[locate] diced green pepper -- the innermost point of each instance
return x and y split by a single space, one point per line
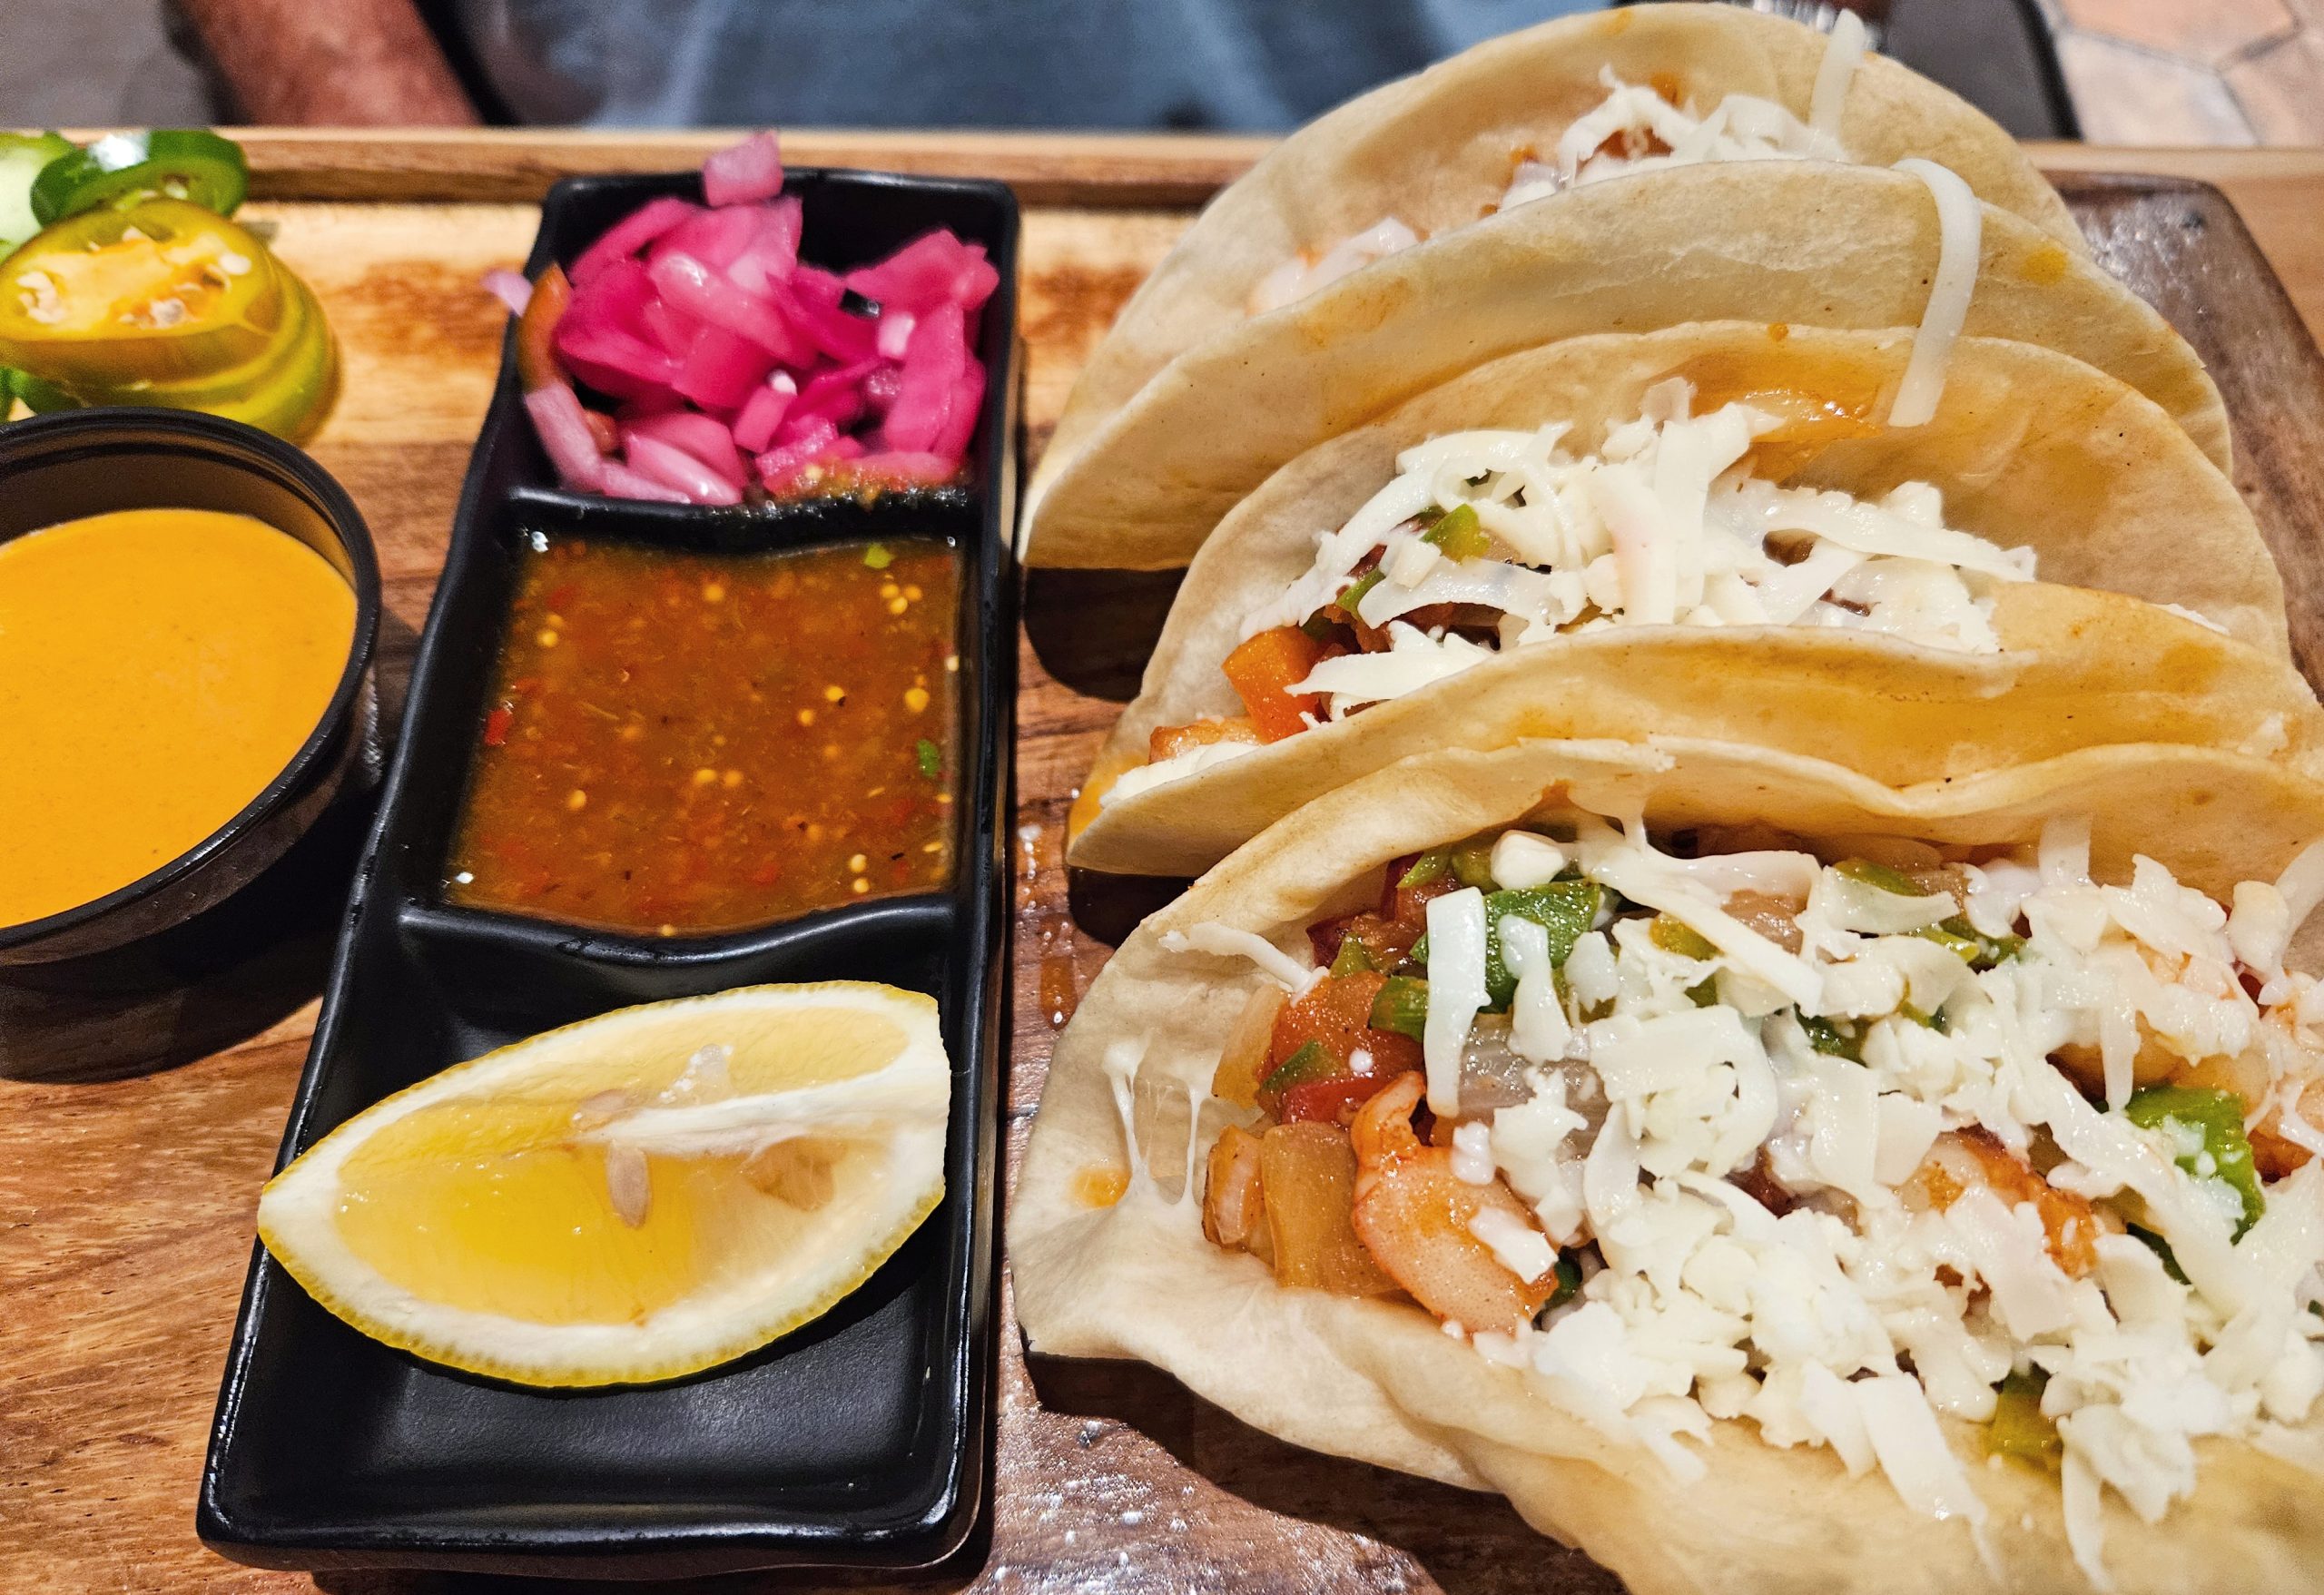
2019 1429
1565 909
2208 1126
1569 1281
1419 953
1427 869
189 163
1472 865
1971 946
1319 626
23 156
1351 959
931 756
1402 1006
1675 935
1927 1022
878 557
1704 994
1348 601
1460 534
1826 1037
1880 876
1311 1063
2160 1247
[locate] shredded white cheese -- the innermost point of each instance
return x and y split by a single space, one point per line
1456 991
1226 941
1961 223
1805 1321
1664 525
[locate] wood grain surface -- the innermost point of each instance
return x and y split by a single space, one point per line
125 1205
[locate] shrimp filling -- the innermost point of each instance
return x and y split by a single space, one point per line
1850 1145
1489 541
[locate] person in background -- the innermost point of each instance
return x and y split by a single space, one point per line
1256 64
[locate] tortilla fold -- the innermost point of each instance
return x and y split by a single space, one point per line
2029 447
1379 1380
1436 150
1791 243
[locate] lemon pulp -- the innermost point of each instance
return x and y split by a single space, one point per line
480 1218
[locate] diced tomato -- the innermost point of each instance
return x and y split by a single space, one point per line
1334 1101
1407 906
496 725
1384 941
1263 668
1337 1013
1168 741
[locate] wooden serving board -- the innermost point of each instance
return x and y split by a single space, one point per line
125 1205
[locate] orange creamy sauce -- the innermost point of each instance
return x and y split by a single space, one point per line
689 742
158 668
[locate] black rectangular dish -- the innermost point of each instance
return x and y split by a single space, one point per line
861 1439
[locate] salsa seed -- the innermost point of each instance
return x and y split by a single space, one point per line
711 592
898 605
836 694
577 800
952 663
888 589
931 847
857 862
731 779
546 639
916 698
815 833
912 592
861 886
704 776
806 717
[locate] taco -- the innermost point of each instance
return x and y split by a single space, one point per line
1707 531
1768 1179
1781 242
1575 100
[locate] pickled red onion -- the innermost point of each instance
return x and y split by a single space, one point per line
510 289
763 412
705 439
747 172
735 360
667 463
632 233
564 429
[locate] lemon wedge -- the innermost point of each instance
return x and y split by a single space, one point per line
635 1198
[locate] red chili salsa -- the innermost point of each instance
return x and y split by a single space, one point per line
684 743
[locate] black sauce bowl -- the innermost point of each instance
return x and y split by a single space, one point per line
75 463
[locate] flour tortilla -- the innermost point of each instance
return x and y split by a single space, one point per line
1435 151
1378 1381
1797 243
2029 447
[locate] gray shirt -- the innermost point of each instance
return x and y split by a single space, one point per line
1262 64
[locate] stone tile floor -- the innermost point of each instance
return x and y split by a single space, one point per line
2193 71
2141 71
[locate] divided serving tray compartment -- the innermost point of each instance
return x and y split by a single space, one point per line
861 1439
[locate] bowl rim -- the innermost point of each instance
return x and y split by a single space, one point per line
127 429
